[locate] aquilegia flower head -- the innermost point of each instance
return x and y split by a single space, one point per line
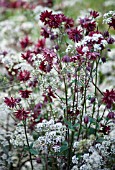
21 114
109 98
94 14
111 115
75 34
11 102
25 42
28 56
25 93
23 75
88 24
45 16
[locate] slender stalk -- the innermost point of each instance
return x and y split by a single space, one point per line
97 121
72 135
28 144
95 85
67 116
84 104
97 88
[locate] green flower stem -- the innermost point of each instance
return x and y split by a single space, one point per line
84 104
24 123
95 85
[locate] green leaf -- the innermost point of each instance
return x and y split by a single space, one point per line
91 131
70 126
33 152
92 120
64 147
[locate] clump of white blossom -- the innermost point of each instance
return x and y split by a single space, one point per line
54 133
18 138
107 17
98 155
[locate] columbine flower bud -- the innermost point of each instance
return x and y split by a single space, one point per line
66 59
103 59
86 119
38 160
92 99
111 115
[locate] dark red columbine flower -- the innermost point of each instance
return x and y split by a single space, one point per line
79 50
23 75
69 22
47 64
110 40
88 24
28 56
11 102
25 42
109 98
75 34
40 45
21 114
94 14
45 32
45 16
105 129
25 93
48 97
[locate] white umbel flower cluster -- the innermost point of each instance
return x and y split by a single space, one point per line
54 133
107 17
18 138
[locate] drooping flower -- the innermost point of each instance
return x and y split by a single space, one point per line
66 59
111 115
21 114
25 42
37 110
75 34
40 45
49 95
23 75
109 98
45 32
112 23
86 119
95 14
47 64
105 129
11 102
28 56
25 93
88 24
